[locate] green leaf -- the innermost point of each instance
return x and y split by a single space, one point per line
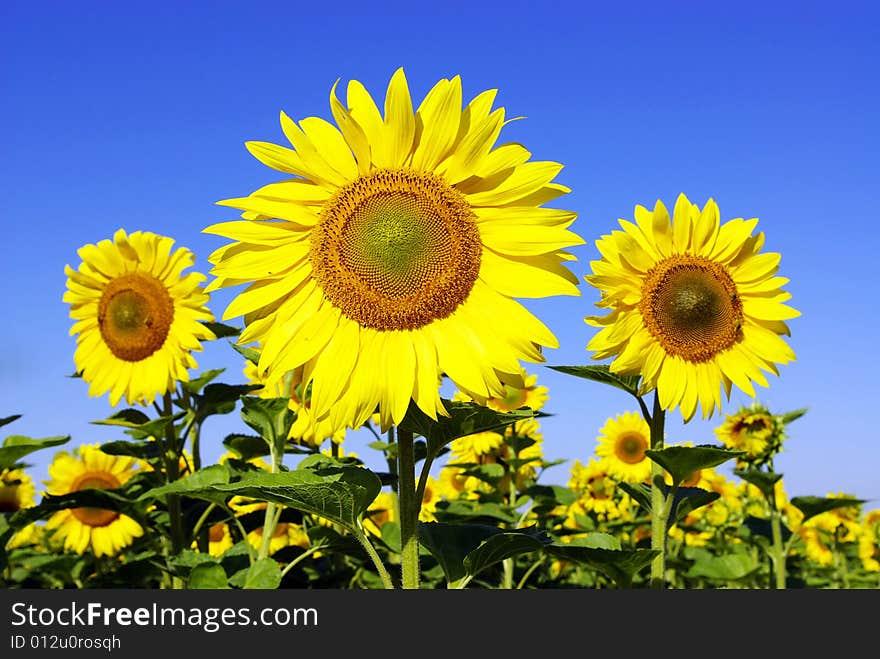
812 506
477 509
15 447
464 550
763 480
195 385
682 461
264 574
222 331
601 373
339 494
149 429
106 499
728 567
619 565
794 415
391 536
465 418
220 398
199 484
640 492
554 495
9 419
489 473
596 540
127 418
271 418
688 499
207 576
251 354
142 450
189 559
246 447
504 545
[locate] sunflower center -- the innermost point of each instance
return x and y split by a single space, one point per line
630 448
134 315
216 533
690 305
396 249
10 502
95 480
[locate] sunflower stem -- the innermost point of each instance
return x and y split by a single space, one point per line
659 508
172 471
777 556
270 520
409 510
377 560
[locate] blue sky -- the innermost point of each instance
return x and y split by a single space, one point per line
135 115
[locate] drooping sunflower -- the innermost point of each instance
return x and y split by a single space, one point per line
16 490
692 305
622 443
137 316
394 253
105 532
753 430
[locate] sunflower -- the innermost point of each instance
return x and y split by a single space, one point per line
394 253
138 318
623 441
692 305
520 391
219 539
383 509
16 490
105 532
753 430
596 491
430 499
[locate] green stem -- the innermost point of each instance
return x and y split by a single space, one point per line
777 556
172 472
507 564
308 552
377 560
273 512
529 572
659 507
409 510
392 462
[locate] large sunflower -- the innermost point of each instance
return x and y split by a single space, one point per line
106 532
692 303
137 316
394 253
622 443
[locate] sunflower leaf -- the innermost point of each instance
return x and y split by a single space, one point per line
115 500
794 415
811 506
246 447
207 576
195 385
619 565
726 567
263 575
688 499
683 461
464 550
251 354
602 373
142 450
638 491
15 447
270 417
128 418
763 480
9 419
465 418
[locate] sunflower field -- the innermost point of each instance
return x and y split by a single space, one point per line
377 290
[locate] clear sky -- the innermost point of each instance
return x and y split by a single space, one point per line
135 114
